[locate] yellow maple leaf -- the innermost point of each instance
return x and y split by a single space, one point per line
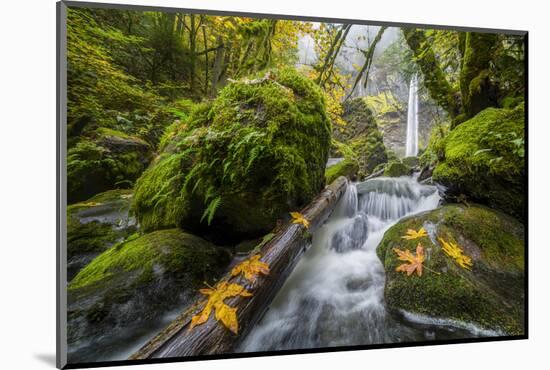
413 234
414 262
456 253
298 218
224 313
251 268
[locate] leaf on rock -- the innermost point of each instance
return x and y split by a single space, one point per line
413 234
298 218
251 268
414 262
226 314
456 253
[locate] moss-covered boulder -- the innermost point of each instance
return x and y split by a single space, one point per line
358 118
370 152
411 161
108 159
95 225
491 295
347 168
484 159
361 137
240 162
397 169
138 280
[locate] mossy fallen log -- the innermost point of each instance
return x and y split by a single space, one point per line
281 253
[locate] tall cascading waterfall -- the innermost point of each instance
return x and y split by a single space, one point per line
335 295
412 119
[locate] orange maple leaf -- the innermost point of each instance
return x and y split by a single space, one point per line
251 268
414 262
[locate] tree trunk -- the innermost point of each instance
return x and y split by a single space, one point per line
281 254
217 69
206 64
477 90
434 79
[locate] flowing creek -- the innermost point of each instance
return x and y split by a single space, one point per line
335 295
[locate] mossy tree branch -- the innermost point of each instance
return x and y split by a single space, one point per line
434 78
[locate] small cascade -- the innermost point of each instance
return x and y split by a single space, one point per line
394 198
412 119
335 295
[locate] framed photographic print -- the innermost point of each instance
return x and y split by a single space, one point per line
235 184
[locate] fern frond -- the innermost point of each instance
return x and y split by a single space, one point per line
210 211
254 153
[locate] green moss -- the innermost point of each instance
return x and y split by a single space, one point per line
89 237
484 158
435 150
106 162
475 83
510 102
260 147
173 250
410 161
397 169
370 152
347 168
490 295
359 120
109 132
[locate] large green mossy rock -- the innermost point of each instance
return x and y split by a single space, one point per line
108 159
95 225
138 280
491 295
484 159
240 162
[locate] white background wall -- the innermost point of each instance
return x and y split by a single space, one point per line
27 181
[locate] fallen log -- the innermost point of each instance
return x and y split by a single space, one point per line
281 253
378 173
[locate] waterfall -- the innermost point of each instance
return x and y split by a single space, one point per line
335 295
412 119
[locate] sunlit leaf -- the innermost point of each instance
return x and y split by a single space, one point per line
251 268
224 313
413 234
414 262
456 253
298 218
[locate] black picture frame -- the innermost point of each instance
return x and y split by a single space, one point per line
61 189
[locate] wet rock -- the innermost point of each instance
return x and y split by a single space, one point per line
138 280
351 236
95 225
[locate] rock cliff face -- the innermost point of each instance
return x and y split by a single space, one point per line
393 125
